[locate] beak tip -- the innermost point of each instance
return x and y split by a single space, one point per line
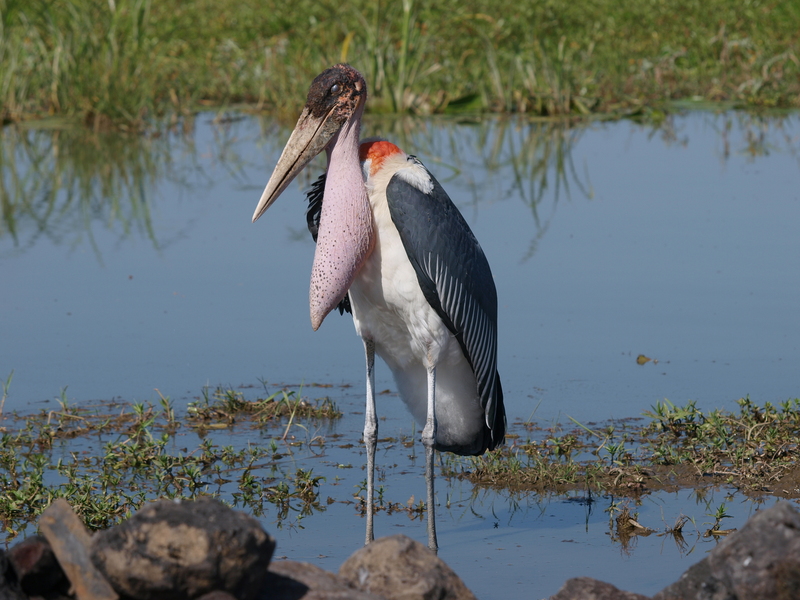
258 212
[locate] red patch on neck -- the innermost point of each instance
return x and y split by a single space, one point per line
376 153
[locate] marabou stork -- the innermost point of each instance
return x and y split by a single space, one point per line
393 247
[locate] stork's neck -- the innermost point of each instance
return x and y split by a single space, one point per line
343 149
346 234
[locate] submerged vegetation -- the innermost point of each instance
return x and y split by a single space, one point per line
107 460
127 62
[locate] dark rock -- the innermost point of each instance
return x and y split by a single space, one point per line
398 568
216 595
760 561
289 580
36 567
586 588
697 583
9 585
181 550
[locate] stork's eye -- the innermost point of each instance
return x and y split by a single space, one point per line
335 88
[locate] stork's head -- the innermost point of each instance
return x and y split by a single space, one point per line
333 99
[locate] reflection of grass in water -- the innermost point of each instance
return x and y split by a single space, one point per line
480 153
738 133
536 153
58 184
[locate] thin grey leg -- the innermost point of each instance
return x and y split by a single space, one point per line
370 436
428 440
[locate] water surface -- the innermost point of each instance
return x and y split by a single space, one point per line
130 264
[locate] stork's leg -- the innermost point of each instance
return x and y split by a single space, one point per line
428 440
370 434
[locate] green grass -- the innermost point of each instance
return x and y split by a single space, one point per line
754 450
223 405
128 63
108 460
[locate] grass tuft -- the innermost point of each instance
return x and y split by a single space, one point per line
755 451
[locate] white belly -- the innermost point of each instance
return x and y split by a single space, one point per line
390 309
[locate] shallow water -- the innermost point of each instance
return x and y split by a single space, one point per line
130 264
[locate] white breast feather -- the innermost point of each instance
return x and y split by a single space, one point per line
390 308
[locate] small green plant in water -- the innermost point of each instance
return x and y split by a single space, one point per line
143 453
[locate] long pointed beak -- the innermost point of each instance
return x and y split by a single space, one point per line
310 137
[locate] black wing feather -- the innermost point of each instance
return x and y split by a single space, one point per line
314 211
313 214
457 282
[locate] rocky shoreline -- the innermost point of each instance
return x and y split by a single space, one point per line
203 550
